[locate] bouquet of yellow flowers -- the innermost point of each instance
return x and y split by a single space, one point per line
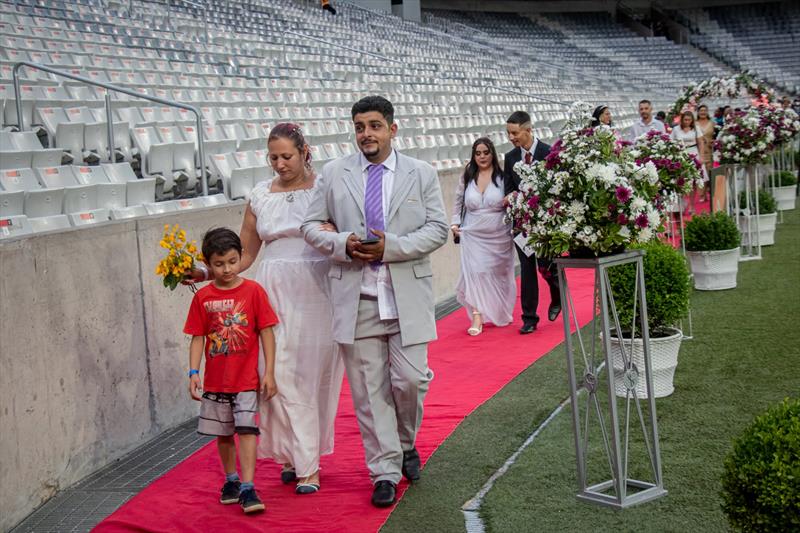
180 259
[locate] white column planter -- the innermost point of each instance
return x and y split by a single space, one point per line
766 229
785 197
664 357
715 270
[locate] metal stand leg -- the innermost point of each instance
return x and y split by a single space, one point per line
619 443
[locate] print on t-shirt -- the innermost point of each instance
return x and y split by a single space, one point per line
227 323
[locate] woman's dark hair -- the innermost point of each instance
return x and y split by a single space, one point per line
374 103
701 106
220 241
288 130
596 114
471 171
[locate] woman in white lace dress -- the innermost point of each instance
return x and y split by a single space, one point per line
486 287
693 140
297 423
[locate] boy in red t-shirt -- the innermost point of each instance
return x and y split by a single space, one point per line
228 317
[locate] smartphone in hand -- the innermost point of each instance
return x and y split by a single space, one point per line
371 240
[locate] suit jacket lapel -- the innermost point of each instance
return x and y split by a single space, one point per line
403 182
355 183
541 152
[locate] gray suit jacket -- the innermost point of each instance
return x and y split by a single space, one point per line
415 227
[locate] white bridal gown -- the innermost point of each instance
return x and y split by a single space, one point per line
487 282
297 423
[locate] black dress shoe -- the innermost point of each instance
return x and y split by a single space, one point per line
553 311
411 464
527 328
383 495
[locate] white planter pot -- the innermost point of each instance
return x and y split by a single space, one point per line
715 270
785 197
766 229
663 361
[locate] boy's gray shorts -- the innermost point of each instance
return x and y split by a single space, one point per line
222 414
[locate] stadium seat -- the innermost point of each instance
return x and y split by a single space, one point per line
12 203
14 226
49 223
134 211
86 218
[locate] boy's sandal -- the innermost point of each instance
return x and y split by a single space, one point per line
306 488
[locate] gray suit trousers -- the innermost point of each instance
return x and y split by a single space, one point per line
388 382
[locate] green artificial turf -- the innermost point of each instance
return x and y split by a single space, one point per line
745 357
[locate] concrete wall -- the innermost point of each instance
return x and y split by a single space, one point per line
91 349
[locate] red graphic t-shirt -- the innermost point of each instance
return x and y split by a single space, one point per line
230 319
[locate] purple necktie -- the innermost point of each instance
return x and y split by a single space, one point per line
373 202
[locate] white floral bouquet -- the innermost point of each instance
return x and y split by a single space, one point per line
579 116
745 139
679 171
588 197
785 123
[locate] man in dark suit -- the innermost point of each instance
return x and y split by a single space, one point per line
529 149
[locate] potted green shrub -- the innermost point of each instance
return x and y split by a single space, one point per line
760 483
666 279
712 246
762 226
784 189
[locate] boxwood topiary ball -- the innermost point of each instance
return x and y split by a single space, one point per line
761 481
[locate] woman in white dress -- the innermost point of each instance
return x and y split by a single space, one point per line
486 287
297 423
690 135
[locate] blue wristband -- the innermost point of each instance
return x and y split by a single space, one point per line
193 371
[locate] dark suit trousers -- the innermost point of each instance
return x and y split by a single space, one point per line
529 284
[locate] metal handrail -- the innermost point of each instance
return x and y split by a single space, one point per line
109 117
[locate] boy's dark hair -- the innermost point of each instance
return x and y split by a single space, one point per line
220 241
519 117
645 101
374 103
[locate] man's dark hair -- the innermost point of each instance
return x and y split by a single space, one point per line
374 103
645 102
220 241
518 117
661 115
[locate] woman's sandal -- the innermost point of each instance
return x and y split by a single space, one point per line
306 487
288 475
475 330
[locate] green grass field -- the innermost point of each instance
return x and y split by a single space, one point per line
745 357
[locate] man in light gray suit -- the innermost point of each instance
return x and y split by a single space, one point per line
388 213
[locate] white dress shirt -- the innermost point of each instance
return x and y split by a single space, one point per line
531 151
639 128
378 282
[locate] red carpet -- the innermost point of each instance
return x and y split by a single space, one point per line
469 371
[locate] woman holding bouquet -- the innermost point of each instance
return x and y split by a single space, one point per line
486 286
296 424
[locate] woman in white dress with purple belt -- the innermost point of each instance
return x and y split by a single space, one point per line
487 286
297 423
